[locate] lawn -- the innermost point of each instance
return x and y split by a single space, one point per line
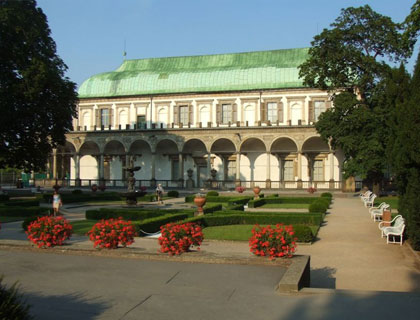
237 232
286 205
393 201
83 226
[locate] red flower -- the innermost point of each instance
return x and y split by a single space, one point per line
49 231
176 238
111 233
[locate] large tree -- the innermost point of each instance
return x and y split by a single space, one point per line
37 100
349 61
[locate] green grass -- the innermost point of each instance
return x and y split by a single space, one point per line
11 219
393 201
83 226
232 232
286 205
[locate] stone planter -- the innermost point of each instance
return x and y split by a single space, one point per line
200 202
257 191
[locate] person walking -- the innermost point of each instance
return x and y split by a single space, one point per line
159 193
57 203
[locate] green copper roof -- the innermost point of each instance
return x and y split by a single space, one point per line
222 72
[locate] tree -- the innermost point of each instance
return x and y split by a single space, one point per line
406 157
348 61
37 101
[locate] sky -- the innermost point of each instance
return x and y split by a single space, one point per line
91 34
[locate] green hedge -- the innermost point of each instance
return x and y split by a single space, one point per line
132 214
302 232
4 197
190 198
237 207
257 203
327 194
173 194
22 203
72 198
314 218
239 200
153 225
212 194
147 198
321 205
212 207
22 211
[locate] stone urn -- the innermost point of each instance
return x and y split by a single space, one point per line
200 201
257 191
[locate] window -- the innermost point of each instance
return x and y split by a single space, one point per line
123 119
318 173
319 106
183 114
227 113
288 171
272 114
105 117
141 121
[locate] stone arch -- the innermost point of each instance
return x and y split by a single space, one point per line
253 160
195 158
140 152
89 152
115 160
315 160
224 152
166 159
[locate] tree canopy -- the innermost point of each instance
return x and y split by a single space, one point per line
349 60
37 100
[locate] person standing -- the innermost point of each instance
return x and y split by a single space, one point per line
159 193
57 203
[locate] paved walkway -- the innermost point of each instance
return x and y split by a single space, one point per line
348 254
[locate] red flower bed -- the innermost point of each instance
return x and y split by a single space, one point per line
273 242
49 231
178 238
111 233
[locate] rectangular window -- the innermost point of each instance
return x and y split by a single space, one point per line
227 113
105 117
183 115
319 107
288 171
272 114
141 122
318 174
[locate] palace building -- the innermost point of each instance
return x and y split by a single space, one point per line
201 121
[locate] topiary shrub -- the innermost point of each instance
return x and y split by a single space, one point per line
190 198
212 194
326 195
173 194
12 305
318 206
77 191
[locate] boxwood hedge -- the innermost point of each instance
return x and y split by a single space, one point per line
132 214
23 211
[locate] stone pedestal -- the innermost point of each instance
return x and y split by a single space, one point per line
190 183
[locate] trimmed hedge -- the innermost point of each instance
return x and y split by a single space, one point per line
212 207
212 194
314 218
22 211
320 205
4 197
132 214
147 198
190 198
237 207
153 225
77 191
22 203
239 200
302 232
72 198
327 194
257 203
173 194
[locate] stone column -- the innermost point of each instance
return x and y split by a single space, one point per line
299 182
132 119
101 167
238 166
331 182
153 165
54 163
114 116
77 170
268 171
181 169
239 110
281 176
208 165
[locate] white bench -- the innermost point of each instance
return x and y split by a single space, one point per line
369 202
365 196
377 212
397 230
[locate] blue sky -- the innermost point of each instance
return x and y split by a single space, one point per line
90 34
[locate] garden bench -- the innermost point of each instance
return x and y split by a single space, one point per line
397 230
376 212
369 202
366 195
